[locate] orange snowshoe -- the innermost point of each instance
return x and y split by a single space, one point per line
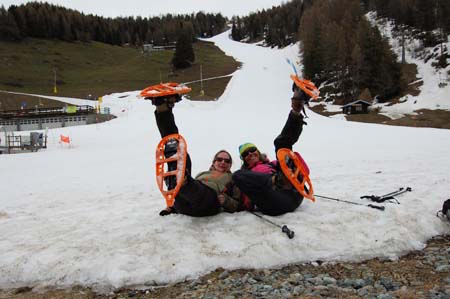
171 154
307 86
296 171
164 90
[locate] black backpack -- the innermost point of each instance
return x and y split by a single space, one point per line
445 212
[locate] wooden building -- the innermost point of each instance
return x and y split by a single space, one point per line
356 107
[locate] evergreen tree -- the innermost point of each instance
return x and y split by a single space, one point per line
43 20
184 54
236 30
19 18
8 26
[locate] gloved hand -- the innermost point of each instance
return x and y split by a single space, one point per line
166 103
172 100
167 211
297 105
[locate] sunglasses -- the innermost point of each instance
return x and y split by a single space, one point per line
228 161
251 150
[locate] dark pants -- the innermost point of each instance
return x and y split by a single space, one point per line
269 199
194 198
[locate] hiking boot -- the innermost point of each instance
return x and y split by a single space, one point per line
168 100
280 182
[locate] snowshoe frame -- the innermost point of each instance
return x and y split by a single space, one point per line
161 162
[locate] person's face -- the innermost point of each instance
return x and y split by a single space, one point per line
251 156
222 163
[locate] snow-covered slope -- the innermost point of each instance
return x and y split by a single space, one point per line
88 215
435 87
435 91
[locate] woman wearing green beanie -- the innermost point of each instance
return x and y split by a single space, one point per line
262 180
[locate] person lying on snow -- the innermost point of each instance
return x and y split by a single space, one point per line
205 195
261 180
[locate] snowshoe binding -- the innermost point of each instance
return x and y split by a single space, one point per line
296 171
159 93
171 155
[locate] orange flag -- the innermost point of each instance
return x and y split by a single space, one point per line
64 139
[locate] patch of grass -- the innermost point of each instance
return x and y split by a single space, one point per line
425 119
97 69
9 101
320 109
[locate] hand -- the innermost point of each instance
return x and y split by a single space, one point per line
297 105
221 199
166 211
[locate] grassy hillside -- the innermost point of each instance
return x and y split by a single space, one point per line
98 69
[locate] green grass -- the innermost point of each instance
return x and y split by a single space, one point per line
98 69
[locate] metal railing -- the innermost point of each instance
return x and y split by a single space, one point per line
45 112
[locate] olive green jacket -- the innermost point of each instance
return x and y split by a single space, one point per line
221 183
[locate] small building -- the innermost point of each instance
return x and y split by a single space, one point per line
152 48
356 107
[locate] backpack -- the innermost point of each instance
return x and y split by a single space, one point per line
445 212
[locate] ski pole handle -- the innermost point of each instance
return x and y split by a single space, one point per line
287 231
381 208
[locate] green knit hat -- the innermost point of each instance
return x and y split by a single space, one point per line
244 147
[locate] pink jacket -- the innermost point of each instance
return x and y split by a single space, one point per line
265 167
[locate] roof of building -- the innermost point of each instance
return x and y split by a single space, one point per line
357 102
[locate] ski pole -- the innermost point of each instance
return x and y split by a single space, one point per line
284 228
387 196
393 192
381 208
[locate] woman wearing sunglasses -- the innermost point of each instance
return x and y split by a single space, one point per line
261 180
210 192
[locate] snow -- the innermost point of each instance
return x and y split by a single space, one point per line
88 214
432 96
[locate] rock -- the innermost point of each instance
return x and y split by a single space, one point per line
196 282
22 290
295 278
298 290
224 274
443 268
349 267
354 283
286 285
329 280
363 292
387 283
315 281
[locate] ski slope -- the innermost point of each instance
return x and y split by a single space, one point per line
88 215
